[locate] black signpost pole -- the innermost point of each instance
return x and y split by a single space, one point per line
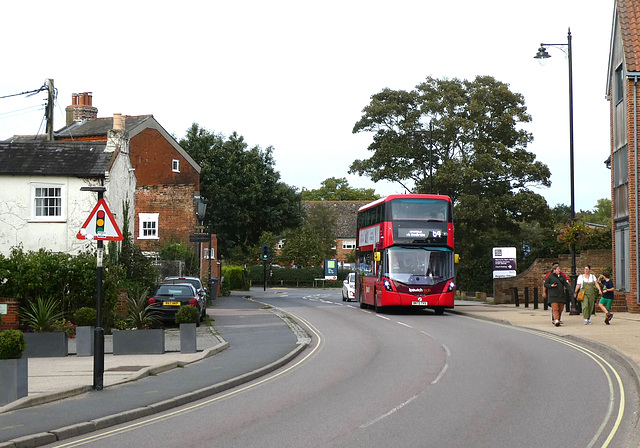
98 332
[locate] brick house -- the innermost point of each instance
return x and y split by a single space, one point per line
624 96
167 195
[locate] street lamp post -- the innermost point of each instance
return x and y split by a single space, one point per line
541 55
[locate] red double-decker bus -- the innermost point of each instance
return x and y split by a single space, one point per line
405 252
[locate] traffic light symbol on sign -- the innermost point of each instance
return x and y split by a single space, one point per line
100 221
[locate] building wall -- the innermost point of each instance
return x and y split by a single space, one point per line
152 155
17 228
177 218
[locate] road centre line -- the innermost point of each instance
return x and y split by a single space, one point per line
320 342
383 317
406 325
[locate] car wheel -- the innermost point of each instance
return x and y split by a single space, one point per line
344 299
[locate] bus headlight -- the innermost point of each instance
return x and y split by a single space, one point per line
387 285
451 287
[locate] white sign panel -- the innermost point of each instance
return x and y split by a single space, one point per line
504 262
3 308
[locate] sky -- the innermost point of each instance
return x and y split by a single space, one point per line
295 75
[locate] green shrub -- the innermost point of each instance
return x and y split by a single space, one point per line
233 276
187 314
120 324
85 317
12 344
41 315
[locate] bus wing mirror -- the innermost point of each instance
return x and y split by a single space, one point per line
376 256
456 258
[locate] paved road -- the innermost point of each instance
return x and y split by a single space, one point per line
408 379
256 337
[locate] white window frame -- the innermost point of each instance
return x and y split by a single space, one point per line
348 244
148 218
206 253
62 206
175 165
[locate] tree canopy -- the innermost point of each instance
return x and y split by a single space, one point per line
334 189
463 139
243 192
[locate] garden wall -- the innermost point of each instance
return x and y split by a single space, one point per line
533 277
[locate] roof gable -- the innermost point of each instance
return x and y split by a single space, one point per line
75 159
133 125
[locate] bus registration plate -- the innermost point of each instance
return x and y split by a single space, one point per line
420 303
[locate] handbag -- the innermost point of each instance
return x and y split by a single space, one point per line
580 297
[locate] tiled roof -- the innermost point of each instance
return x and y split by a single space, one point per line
629 17
77 159
98 126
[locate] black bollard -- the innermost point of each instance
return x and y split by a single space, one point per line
515 296
526 297
535 298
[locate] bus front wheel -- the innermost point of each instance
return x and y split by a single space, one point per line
439 310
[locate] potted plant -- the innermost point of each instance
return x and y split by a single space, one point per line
48 332
187 317
85 319
139 338
14 369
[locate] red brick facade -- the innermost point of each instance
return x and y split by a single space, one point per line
11 320
177 219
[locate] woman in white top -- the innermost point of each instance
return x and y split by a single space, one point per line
587 282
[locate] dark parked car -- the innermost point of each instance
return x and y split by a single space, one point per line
197 284
169 297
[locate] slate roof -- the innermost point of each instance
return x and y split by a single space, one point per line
629 17
72 159
99 127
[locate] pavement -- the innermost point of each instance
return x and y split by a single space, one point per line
247 340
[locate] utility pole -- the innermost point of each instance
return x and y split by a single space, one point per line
49 110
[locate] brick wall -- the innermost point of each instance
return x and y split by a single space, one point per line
533 277
11 320
177 217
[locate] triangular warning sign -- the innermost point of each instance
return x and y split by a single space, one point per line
100 225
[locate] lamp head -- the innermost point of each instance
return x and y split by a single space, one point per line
542 55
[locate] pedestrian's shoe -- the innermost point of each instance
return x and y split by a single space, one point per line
608 318
587 322
556 323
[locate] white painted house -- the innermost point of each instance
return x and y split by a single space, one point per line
41 204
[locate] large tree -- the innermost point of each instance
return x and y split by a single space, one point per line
243 191
463 139
334 189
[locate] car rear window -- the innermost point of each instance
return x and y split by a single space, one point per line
174 290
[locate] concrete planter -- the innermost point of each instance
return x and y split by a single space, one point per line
188 338
84 341
15 377
46 345
138 342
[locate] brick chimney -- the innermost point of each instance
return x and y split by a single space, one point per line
118 122
81 108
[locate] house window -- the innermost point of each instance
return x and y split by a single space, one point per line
623 272
148 226
348 244
47 202
206 253
619 84
620 183
281 244
175 165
